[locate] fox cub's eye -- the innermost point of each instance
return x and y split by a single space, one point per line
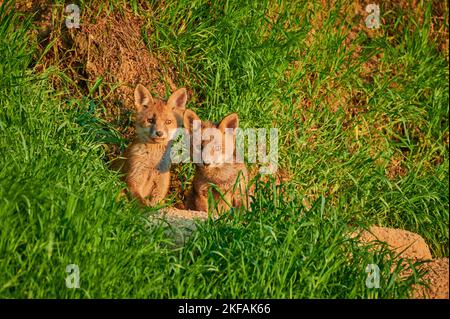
151 121
168 121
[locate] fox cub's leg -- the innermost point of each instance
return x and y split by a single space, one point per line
137 182
201 199
159 188
240 200
189 201
201 203
224 203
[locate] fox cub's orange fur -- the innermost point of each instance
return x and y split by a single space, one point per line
228 176
147 159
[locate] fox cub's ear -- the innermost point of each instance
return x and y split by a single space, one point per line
230 121
178 99
188 120
142 97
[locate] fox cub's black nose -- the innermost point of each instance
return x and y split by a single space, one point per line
159 133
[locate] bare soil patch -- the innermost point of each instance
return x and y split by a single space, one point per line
180 223
407 244
412 246
104 59
437 279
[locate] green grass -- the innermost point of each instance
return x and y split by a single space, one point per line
340 128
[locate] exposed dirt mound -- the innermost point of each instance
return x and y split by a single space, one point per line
181 223
437 279
105 58
111 47
413 247
407 244
173 213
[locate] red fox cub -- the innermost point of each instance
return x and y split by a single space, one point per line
215 164
147 159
